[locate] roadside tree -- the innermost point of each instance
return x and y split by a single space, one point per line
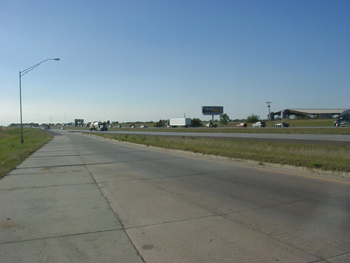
253 118
158 124
196 122
224 118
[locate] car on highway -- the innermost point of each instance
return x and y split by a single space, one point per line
242 125
281 124
143 126
259 124
211 125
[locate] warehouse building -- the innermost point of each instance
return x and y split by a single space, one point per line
306 113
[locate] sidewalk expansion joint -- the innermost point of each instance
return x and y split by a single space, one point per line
54 156
62 236
50 166
172 221
45 186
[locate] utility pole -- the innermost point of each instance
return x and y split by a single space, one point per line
269 106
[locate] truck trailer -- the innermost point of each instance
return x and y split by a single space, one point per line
180 122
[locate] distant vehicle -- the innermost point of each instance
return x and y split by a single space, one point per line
98 126
281 124
62 128
110 126
143 126
46 126
259 124
180 122
343 119
242 125
211 125
119 126
132 126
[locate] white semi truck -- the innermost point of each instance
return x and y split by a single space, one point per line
180 122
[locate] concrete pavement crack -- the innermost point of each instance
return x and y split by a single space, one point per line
109 205
223 215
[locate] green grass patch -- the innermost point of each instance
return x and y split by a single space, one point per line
13 152
316 130
326 157
291 130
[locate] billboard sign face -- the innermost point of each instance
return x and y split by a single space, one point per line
212 110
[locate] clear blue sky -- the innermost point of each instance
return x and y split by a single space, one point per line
149 60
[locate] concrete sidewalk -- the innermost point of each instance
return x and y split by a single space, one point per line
51 210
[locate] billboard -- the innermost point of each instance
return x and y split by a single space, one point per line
212 110
79 122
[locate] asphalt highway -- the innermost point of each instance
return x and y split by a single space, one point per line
83 198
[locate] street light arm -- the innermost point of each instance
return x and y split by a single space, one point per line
36 65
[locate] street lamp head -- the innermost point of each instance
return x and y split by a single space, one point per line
57 59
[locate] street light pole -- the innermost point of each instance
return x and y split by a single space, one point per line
20 105
21 73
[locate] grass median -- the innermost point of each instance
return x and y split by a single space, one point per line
333 158
13 152
299 130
